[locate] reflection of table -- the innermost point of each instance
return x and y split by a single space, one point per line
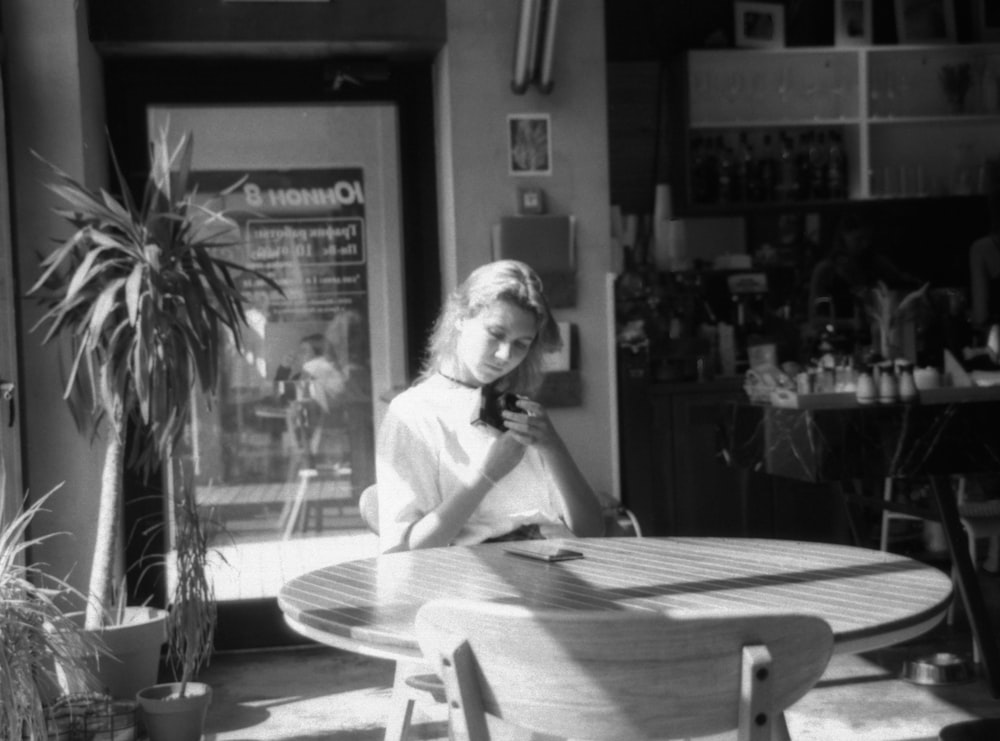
933 441
870 598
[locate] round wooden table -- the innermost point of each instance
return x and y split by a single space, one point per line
871 599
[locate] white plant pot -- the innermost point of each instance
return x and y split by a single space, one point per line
134 659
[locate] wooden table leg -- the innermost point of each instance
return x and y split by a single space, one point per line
851 511
968 580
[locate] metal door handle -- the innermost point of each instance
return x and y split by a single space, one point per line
7 393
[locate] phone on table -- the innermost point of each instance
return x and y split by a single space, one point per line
542 551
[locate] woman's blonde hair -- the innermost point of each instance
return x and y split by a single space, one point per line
503 280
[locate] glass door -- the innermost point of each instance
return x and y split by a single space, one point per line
283 452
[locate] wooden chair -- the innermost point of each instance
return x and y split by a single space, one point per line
414 681
368 508
623 675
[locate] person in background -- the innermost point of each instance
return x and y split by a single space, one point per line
347 335
840 282
984 260
312 385
444 476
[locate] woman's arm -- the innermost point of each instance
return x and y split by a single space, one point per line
442 525
581 508
412 512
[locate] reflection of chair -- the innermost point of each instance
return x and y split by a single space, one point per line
368 507
619 674
315 437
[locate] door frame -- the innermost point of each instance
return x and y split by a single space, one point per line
132 84
11 482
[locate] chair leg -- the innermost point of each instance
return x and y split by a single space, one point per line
779 729
883 540
397 726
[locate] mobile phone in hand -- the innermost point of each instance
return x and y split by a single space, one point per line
492 404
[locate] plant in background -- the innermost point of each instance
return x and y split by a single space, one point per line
192 620
147 305
887 311
36 636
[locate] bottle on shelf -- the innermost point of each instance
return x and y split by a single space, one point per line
767 170
787 179
836 167
803 168
818 166
725 191
746 171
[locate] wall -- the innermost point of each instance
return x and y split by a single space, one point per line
55 107
474 100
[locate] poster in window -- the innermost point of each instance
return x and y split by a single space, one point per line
297 396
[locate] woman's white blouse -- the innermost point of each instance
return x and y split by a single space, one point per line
429 444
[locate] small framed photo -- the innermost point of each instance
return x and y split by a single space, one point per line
925 21
759 25
529 144
987 17
530 201
853 22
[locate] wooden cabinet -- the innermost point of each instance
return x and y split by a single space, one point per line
887 108
676 483
673 478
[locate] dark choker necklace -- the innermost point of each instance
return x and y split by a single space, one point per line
455 380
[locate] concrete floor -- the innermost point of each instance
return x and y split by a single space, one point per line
315 692
319 693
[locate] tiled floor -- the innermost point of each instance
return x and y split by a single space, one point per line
315 692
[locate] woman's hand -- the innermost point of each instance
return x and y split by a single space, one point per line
532 425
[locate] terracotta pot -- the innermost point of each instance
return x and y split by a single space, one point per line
169 717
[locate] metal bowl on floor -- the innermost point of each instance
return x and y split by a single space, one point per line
938 669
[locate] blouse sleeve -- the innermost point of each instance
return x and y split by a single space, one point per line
408 486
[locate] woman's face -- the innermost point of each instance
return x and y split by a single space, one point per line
493 342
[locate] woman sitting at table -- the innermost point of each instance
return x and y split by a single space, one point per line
445 477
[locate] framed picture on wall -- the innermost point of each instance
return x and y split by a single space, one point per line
529 144
759 25
987 17
925 21
853 22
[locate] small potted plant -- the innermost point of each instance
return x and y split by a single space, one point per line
147 303
37 637
175 711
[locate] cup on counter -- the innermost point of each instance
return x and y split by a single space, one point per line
927 378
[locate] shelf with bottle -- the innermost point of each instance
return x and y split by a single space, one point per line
756 166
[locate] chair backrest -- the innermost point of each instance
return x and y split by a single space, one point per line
368 507
629 674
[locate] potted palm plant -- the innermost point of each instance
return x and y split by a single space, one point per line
175 711
36 636
147 302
